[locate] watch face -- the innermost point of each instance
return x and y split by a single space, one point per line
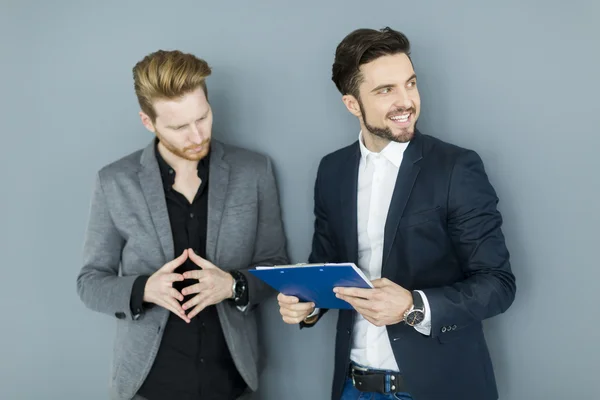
415 317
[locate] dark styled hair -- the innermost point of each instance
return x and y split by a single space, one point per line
361 47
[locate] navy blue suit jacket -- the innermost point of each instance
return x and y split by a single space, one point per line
443 236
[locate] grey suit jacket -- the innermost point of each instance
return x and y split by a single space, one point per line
129 234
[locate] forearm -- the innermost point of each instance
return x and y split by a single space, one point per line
106 293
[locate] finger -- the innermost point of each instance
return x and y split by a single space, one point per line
383 282
293 313
282 298
174 304
292 321
194 274
197 288
170 278
172 265
355 302
196 310
175 294
175 308
377 283
298 306
354 292
192 302
368 314
199 261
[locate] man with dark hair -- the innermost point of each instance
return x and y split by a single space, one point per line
419 217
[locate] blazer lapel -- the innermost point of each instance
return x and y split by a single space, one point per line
152 187
407 175
218 181
348 203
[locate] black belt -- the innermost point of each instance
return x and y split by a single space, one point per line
365 380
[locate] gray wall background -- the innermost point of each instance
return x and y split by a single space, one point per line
515 80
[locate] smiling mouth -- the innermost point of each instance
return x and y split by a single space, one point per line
402 119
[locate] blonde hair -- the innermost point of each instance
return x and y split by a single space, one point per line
167 75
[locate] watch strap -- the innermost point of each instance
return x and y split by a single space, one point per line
418 303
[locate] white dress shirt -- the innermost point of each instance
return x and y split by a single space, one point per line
376 181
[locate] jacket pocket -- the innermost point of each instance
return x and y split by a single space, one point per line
420 217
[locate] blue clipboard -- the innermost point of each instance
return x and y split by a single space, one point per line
314 282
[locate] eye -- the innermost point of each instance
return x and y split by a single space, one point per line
385 90
412 83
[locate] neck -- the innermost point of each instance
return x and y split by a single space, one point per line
372 142
181 166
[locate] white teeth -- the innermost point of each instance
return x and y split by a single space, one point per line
401 118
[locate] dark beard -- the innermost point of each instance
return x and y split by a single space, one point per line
405 135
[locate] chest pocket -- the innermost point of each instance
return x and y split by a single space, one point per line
421 217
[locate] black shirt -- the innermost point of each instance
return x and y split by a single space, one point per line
193 361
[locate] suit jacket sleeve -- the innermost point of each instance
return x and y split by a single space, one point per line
323 245
474 225
99 285
270 245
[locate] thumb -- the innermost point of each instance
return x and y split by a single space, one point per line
172 265
199 261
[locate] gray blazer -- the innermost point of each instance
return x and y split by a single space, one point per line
129 234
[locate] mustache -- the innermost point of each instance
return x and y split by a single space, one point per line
203 143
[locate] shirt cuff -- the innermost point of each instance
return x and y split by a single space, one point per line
424 327
136 302
315 312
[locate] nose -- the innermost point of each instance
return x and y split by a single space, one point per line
195 135
403 99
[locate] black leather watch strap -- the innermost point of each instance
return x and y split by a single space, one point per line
417 301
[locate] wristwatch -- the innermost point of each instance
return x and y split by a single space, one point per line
415 314
239 287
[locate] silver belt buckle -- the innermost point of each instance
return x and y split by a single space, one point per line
356 367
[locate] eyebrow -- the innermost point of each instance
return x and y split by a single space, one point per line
181 126
387 85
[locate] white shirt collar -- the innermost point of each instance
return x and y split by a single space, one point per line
394 151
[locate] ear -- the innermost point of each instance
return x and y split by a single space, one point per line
352 105
147 122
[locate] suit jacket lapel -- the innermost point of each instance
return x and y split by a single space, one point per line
218 182
407 175
152 187
348 203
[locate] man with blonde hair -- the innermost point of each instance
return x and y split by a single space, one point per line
173 229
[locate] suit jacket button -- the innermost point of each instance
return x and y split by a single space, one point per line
120 315
453 327
444 329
